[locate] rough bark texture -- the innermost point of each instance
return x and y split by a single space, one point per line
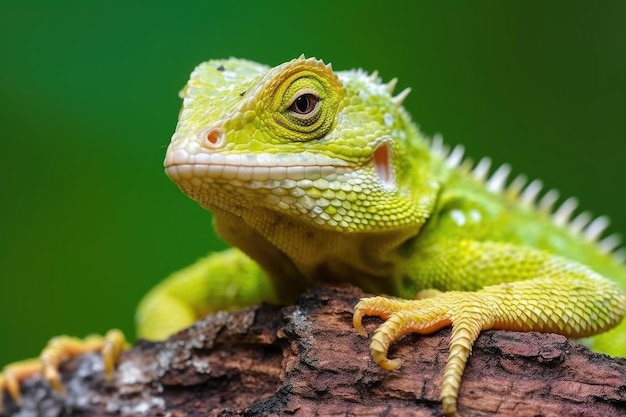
307 360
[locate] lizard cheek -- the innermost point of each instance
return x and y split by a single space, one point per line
383 167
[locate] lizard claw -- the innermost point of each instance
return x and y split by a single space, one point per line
114 344
425 316
357 321
382 307
59 350
13 374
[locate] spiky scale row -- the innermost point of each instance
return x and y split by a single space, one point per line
583 225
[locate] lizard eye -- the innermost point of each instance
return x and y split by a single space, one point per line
305 107
303 100
304 104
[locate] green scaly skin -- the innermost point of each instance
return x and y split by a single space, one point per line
320 176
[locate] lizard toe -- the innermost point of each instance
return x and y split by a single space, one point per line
59 350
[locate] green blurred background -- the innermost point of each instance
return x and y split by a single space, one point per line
88 220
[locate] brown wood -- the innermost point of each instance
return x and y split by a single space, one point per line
307 360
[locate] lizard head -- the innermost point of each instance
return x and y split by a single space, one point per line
333 150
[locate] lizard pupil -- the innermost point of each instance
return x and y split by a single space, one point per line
304 104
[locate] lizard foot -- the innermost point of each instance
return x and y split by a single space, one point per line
59 350
466 312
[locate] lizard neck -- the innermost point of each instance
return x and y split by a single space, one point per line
297 255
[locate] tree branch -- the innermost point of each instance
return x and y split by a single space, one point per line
307 360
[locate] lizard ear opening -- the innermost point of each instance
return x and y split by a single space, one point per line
383 167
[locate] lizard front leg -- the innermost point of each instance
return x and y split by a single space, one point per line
57 351
227 280
551 294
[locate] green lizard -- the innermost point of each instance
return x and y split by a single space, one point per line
320 176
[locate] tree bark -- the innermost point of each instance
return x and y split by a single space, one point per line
306 360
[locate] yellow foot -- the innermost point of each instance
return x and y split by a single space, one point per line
465 311
59 350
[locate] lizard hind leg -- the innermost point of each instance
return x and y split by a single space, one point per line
59 350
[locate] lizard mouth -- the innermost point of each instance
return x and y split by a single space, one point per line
181 165
184 166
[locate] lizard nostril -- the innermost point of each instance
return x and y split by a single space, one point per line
214 137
